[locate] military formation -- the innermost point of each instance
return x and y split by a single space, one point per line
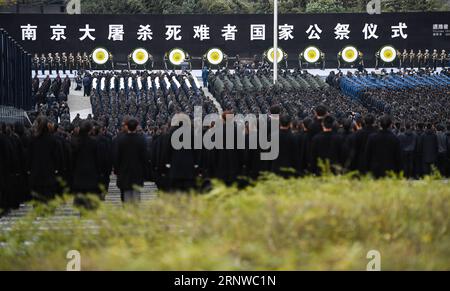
408 96
152 98
64 62
297 92
423 59
50 97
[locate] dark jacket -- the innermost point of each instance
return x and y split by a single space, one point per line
288 153
315 128
131 161
227 162
357 154
105 156
86 168
408 141
383 153
87 81
325 146
45 164
182 162
303 149
429 147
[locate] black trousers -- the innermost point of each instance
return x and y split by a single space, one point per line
441 163
408 164
87 91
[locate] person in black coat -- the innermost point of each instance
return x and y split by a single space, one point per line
357 155
325 146
288 149
304 148
85 157
45 160
302 144
228 162
418 155
131 162
383 151
447 160
66 171
6 164
16 170
429 144
183 165
105 156
442 149
320 113
408 143
346 137
87 85
24 137
159 158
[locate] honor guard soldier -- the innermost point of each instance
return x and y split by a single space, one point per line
71 62
426 59
378 60
448 60
57 62
443 58
111 60
50 63
129 60
65 62
36 63
86 62
412 57
404 58
399 54
435 57
419 59
79 62
43 63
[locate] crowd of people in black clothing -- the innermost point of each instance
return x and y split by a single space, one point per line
130 135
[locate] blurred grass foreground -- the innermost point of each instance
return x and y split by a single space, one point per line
327 223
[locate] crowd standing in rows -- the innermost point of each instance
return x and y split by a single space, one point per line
129 134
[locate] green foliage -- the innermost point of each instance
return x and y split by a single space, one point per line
7 2
252 6
112 6
298 224
323 6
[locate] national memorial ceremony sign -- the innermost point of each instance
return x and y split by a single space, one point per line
245 35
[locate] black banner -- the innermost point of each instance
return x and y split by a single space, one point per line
15 67
246 35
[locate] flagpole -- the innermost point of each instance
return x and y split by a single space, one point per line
275 41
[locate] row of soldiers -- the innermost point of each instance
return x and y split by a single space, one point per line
297 92
61 62
407 96
50 97
50 90
424 59
152 98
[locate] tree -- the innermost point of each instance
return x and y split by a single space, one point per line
323 6
7 2
113 6
247 6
